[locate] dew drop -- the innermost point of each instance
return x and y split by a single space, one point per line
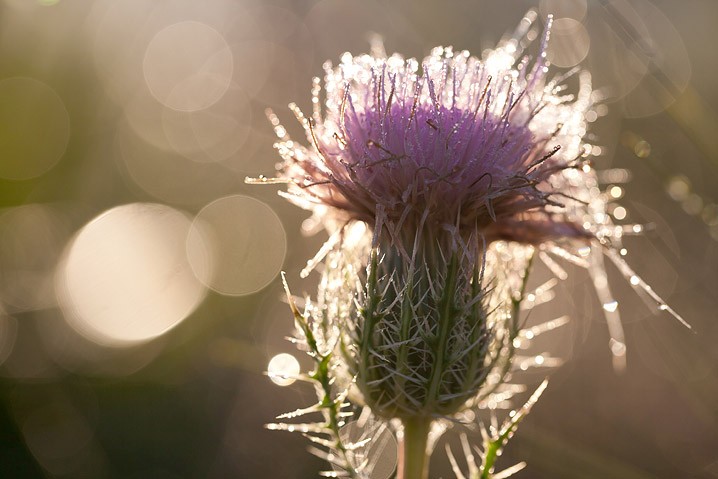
678 188
619 213
635 280
642 149
282 369
616 192
617 347
611 306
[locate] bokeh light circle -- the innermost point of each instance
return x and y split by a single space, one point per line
570 43
380 453
34 128
188 66
213 134
661 47
167 175
125 278
283 369
246 245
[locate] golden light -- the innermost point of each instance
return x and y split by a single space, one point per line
380 454
188 66
678 188
620 213
616 192
118 36
125 278
245 245
570 43
167 175
656 67
212 134
283 369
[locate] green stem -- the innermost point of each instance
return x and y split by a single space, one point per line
492 451
413 454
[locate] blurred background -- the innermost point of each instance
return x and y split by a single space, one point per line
139 297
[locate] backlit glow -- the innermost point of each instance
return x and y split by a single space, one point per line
125 278
283 369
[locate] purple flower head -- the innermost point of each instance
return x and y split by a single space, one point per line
481 145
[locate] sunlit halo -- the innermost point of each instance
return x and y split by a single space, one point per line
125 278
246 245
118 44
212 134
283 369
620 213
570 43
649 81
167 175
188 66
380 454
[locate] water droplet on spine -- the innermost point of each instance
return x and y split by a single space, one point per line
611 306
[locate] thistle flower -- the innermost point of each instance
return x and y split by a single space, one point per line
439 183
477 145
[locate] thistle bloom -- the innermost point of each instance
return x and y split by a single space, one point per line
432 177
440 161
461 141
